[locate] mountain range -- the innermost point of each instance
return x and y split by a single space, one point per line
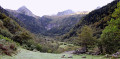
58 24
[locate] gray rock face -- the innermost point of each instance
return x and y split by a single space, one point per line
25 11
66 12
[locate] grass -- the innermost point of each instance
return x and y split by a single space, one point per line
26 54
67 47
63 44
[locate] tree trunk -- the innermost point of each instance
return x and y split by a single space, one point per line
85 47
100 48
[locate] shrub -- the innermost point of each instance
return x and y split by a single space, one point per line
49 51
13 47
7 46
38 47
5 33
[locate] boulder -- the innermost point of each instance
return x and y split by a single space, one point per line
80 51
70 56
83 56
63 56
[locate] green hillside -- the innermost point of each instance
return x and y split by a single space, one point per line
97 19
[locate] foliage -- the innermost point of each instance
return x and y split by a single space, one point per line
49 47
5 33
22 37
111 34
86 37
116 13
7 46
5 38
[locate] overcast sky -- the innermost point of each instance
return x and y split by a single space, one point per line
49 7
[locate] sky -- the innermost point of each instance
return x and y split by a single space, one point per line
50 7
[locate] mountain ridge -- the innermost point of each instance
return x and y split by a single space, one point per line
66 12
47 24
97 18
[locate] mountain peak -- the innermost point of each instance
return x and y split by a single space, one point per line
23 7
25 10
66 12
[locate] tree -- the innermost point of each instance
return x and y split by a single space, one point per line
116 13
110 36
86 37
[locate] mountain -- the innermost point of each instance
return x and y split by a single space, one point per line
97 19
80 12
12 33
66 12
24 10
62 24
31 23
11 29
46 25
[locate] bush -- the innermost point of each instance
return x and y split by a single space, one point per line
5 33
7 46
22 38
49 51
5 38
13 46
38 47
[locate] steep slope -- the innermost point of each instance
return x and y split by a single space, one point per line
97 19
9 28
33 24
24 10
62 24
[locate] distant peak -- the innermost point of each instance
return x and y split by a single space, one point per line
25 10
66 12
23 7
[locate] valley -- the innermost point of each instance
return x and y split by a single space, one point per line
52 25
68 34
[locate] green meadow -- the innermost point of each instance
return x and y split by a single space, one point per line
26 54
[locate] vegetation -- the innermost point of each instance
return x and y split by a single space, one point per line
106 25
111 34
97 18
47 25
25 54
11 29
7 46
86 37
99 31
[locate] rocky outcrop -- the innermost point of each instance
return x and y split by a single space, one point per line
24 10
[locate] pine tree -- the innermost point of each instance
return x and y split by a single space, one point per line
86 37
